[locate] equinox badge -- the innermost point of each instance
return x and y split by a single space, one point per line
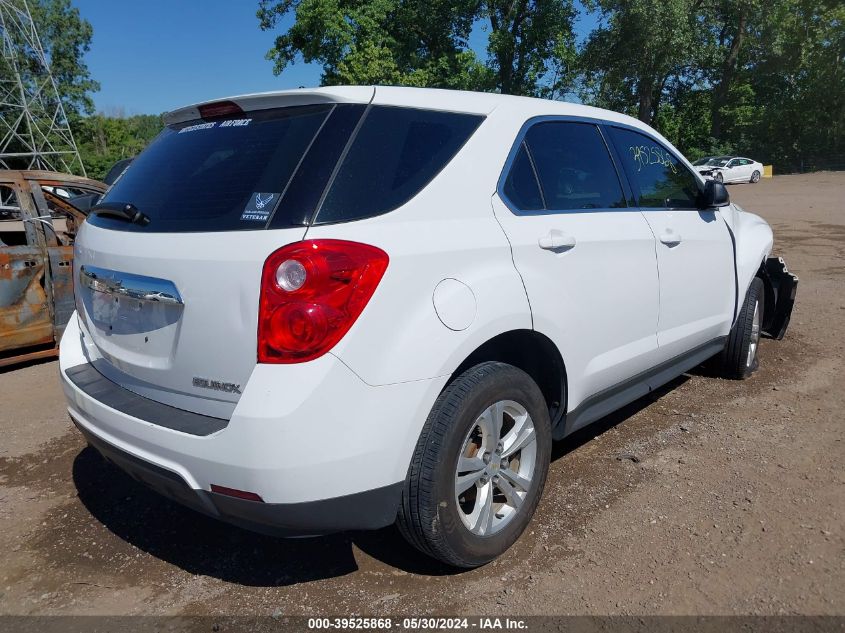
216 385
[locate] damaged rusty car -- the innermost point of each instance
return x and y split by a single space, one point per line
38 224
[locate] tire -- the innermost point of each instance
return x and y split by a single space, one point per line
739 358
451 526
755 177
718 177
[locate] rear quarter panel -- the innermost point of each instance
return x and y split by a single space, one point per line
448 231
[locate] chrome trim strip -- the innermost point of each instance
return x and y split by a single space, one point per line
138 287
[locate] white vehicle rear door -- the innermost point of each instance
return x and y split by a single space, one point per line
585 255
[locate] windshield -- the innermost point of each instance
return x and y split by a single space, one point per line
703 161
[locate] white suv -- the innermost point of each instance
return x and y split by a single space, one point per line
320 310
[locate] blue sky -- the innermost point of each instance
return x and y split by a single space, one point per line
155 55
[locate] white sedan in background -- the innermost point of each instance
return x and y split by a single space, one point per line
730 169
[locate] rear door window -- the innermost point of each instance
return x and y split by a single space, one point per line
574 166
659 179
396 152
217 175
521 187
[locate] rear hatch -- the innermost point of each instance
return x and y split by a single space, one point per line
170 298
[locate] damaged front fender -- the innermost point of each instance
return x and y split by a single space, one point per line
781 287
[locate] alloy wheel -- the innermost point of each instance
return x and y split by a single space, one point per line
495 468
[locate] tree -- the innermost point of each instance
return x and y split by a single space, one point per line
642 48
410 42
426 43
50 114
798 81
104 140
66 37
731 20
530 40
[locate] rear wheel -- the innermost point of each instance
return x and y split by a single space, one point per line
479 467
755 177
739 358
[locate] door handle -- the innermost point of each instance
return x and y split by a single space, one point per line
556 240
670 238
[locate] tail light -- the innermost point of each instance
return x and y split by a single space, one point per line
311 294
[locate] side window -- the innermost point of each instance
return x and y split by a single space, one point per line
396 153
574 166
659 179
521 186
9 206
12 230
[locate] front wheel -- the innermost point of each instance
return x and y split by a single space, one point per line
479 467
739 358
718 177
755 177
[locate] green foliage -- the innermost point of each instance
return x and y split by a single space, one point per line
766 79
798 81
531 45
66 37
641 48
104 140
408 42
425 42
762 78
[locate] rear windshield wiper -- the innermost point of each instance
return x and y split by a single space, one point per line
121 210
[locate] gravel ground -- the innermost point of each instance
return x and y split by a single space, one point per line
709 497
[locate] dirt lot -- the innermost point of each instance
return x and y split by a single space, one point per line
735 505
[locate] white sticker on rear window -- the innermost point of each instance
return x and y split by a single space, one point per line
236 123
259 207
198 126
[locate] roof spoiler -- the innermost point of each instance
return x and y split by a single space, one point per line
282 98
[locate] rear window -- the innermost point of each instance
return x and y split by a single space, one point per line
574 166
396 153
218 175
277 168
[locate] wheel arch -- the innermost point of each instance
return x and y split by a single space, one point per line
532 352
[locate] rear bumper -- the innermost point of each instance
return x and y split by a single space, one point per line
368 510
325 451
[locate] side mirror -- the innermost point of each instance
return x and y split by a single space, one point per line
715 194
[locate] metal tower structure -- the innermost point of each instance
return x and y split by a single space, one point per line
34 129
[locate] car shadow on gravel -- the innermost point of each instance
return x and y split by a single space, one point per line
572 442
202 545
